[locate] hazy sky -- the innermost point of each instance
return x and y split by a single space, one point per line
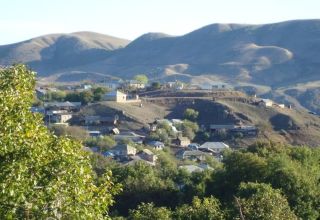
24 19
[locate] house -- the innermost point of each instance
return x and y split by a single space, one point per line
219 127
162 121
86 86
70 106
99 120
131 136
157 145
215 86
60 117
137 159
153 126
174 85
177 121
124 150
148 155
112 84
115 96
193 146
94 133
214 147
246 130
265 102
134 84
41 93
196 168
191 155
114 131
191 168
182 141
279 105
220 86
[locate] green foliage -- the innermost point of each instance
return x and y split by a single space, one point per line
238 167
141 78
58 96
103 142
260 201
293 170
205 209
98 93
189 129
143 183
160 134
191 114
84 97
74 132
155 85
42 176
147 211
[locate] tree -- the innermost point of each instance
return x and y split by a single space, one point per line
103 142
75 132
98 93
155 85
58 96
259 201
147 211
42 176
190 114
206 209
86 97
141 78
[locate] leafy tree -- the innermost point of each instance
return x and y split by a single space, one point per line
259 201
147 211
42 176
141 78
86 97
206 209
299 182
189 129
155 85
74 132
103 142
98 93
190 114
238 167
58 96
143 183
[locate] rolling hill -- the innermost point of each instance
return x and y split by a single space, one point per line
271 59
272 54
51 53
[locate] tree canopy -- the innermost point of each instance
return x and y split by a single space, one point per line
41 175
142 78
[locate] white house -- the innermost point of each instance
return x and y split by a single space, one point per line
266 102
135 84
116 96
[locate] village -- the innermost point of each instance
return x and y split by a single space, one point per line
189 142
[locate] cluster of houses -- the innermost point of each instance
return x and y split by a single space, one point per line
128 154
58 112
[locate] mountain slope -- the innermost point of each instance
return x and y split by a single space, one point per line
50 53
266 54
275 55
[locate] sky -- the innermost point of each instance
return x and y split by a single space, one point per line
25 19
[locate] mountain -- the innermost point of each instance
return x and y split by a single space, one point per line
51 53
272 55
